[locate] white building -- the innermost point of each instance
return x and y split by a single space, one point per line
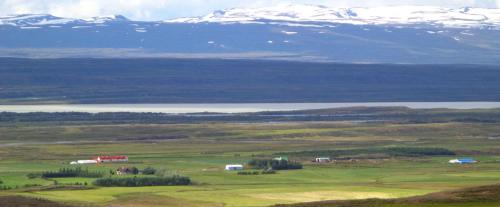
234 167
323 159
82 162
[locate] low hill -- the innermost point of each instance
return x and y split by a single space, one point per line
484 196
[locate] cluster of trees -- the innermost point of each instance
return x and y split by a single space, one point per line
136 171
269 164
142 181
419 151
70 172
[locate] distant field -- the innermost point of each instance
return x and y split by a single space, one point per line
201 150
238 81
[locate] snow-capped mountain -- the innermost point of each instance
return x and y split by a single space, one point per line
306 15
33 20
396 15
36 20
296 32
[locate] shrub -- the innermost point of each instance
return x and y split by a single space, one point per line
142 181
248 173
268 172
135 170
32 185
274 164
149 171
33 175
5 187
164 173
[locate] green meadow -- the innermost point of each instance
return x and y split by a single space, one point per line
201 151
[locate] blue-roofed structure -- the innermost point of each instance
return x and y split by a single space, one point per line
463 161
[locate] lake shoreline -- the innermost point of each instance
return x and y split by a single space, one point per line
232 107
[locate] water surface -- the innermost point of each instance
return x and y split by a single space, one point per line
233 107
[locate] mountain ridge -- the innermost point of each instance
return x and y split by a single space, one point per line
428 35
389 15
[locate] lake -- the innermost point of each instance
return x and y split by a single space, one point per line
233 107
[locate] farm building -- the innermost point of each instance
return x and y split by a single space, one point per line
281 158
322 159
111 159
82 162
463 161
234 167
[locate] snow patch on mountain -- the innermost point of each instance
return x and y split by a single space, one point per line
27 20
289 32
105 19
394 15
32 20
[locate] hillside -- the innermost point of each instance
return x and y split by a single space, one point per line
484 196
293 32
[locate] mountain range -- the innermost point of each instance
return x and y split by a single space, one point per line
403 34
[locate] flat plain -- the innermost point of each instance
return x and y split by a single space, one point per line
200 150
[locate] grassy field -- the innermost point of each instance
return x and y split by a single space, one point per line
201 151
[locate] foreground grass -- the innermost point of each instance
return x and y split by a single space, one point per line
483 196
18 201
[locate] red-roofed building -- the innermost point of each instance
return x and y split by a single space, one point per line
111 159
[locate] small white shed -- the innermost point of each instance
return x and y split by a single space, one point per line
234 167
323 159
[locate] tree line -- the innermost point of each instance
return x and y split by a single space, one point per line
142 181
68 173
274 164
